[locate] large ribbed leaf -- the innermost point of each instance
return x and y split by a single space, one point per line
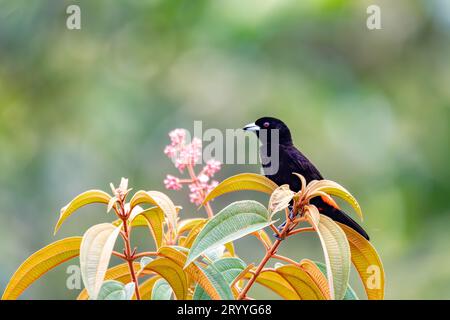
229 269
317 276
39 263
88 197
349 294
195 272
337 255
95 252
243 181
219 283
172 273
274 281
233 222
301 281
367 262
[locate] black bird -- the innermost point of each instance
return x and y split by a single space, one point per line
292 160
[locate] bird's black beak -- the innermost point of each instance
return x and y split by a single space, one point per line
252 127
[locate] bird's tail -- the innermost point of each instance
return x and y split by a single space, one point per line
340 216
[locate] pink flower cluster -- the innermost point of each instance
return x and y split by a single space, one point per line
183 154
186 156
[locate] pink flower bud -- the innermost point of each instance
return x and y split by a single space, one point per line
212 167
203 178
170 151
172 183
177 137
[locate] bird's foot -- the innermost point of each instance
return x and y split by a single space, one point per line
280 230
292 215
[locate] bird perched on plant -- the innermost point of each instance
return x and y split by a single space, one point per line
291 160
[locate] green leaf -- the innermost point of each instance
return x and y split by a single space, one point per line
349 294
229 269
95 252
218 280
115 290
145 261
161 290
215 253
129 290
233 222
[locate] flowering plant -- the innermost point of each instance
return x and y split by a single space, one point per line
195 258
185 156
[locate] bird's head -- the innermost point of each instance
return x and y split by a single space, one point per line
269 124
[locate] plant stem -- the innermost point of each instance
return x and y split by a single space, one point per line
194 179
209 210
130 258
291 233
118 254
263 262
286 259
145 254
267 256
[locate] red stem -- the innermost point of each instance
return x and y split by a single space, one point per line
269 254
129 255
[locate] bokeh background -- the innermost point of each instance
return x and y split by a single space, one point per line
82 108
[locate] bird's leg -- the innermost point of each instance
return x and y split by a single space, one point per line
291 213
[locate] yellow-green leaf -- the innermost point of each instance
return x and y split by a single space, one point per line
224 272
317 276
155 221
189 224
95 252
275 282
337 255
243 181
173 273
146 288
335 189
367 262
88 197
303 284
120 273
39 263
194 271
193 233
158 199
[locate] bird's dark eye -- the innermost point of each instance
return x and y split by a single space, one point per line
266 124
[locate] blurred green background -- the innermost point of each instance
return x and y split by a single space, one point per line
82 108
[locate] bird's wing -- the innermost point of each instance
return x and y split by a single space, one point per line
300 164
